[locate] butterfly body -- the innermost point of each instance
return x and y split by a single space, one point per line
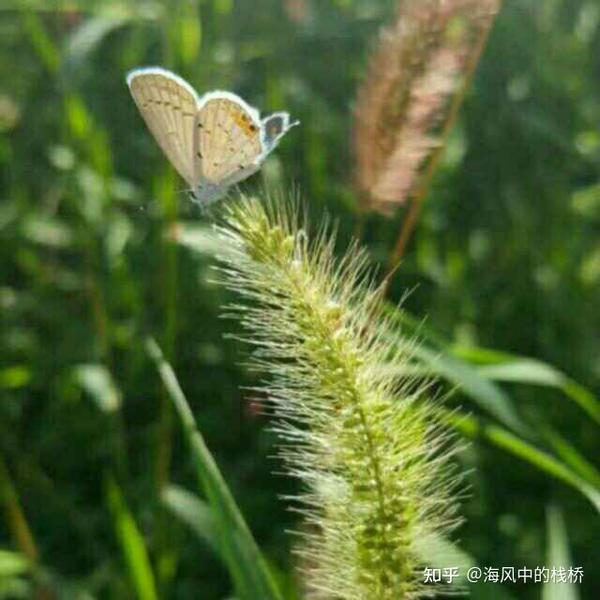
214 141
207 193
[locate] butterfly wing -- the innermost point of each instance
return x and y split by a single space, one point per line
214 141
169 106
274 127
229 147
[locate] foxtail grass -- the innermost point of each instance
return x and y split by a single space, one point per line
375 469
416 78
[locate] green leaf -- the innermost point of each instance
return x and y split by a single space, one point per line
502 366
558 556
85 38
132 543
249 571
572 457
543 460
486 394
97 381
516 446
13 564
15 377
479 382
43 44
195 513
458 372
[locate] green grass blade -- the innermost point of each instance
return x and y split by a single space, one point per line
476 370
440 363
558 556
13 564
16 520
193 512
485 393
502 366
43 44
516 446
98 383
542 460
582 396
248 569
132 543
565 450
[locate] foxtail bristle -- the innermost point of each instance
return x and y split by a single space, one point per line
375 470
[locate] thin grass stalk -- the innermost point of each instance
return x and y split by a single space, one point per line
168 282
248 569
131 541
15 516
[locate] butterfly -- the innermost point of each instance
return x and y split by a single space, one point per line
214 141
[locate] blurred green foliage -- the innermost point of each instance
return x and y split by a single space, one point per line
506 256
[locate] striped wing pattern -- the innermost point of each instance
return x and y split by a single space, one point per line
229 141
169 109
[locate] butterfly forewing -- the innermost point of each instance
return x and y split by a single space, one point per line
229 145
169 107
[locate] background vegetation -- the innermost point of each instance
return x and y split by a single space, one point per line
100 250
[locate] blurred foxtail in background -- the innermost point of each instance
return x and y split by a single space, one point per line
416 79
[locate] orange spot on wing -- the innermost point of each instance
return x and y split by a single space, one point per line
245 123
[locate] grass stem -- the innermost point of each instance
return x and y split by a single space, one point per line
15 516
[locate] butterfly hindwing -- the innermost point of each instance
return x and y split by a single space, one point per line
169 106
228 139
274 127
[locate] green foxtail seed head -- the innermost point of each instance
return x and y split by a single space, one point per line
375 468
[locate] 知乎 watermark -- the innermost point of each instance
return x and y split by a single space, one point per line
505 574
